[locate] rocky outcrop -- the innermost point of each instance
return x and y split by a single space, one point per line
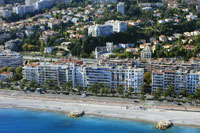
163 125
76 113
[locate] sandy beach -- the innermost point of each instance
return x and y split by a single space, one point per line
123 110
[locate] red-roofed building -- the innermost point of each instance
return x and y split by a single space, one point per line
6 75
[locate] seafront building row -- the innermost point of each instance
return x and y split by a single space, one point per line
179 79
129 73
85 76
150 65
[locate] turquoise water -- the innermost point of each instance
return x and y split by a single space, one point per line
24 121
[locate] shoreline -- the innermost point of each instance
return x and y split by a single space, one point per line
106 110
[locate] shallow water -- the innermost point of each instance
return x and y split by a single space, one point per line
26 121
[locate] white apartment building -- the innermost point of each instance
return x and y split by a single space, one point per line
100 30
30 2
39 5
5 12
179 79
118 26
85 76
22 9
121 7
128 77
45 72
163 79
146 53
10 59
109 47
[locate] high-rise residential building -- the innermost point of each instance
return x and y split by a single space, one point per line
10 59
2 2
45 72
30 2
179 79
121 7
39 5
118 26
85 76
163 79
23 9
100 30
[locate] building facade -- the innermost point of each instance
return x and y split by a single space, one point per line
118 26
100 30
179 79
6 75
85 76
146 53
121 7
10 59
30 2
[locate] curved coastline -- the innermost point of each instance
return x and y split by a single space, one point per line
120 111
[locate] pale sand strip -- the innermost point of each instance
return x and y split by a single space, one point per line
103 109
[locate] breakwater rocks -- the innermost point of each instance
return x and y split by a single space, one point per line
163 125
76 113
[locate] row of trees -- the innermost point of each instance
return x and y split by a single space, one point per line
170 92
105 90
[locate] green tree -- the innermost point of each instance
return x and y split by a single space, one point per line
3 69
95 88
120 89
89 89
1 84
143 90
11 69
130 90
101 91
56 88
191 97
32 84
171 91
184 92
147 78
165 94
197 93
18 73
69 85
19 69
80 89
158 93
42 46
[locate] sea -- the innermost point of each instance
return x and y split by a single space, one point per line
27 121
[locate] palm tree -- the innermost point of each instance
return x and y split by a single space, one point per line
119 89
69 85
56 88
80 89
130 90
102 91
1 83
